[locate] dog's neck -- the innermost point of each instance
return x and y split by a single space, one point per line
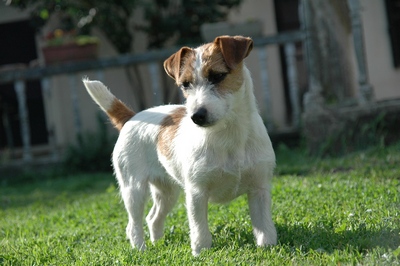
235 142
232 134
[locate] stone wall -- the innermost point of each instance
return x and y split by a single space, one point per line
329 49
336 131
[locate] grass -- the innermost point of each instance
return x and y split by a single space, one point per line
327 212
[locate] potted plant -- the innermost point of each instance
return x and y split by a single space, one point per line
66 43
64 46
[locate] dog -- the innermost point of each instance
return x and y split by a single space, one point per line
215 147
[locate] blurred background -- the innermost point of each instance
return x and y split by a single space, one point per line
326 72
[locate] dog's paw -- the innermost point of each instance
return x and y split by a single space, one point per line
201 242
139 245
196 253
156 230
135 237
266 239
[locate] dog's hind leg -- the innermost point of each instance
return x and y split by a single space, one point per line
165 195
134 197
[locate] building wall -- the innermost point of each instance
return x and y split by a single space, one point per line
58 102
384 78
62 107
62 88
8 14
265 12
330 41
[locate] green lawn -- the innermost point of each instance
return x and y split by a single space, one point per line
327 212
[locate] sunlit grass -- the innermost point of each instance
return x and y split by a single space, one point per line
327 212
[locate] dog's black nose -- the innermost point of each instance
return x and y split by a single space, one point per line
200 117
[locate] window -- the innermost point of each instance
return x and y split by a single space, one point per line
393 16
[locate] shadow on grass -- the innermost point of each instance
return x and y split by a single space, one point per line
319 239
52 190
327 240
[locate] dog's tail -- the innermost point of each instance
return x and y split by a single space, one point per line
116 110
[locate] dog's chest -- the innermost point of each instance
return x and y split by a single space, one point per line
218 162
214 168
222 186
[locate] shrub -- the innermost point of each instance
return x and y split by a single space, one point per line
92 151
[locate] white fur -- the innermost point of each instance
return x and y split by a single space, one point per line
99 93
234 156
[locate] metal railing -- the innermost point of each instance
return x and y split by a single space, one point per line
19 76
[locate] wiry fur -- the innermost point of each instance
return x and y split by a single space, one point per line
226 154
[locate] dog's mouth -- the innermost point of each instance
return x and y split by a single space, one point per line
205 125
202 123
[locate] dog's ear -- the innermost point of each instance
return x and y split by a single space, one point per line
234 49
173 64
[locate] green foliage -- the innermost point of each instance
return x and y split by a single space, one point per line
79 40
341 211
365 132
86 39
166 19
110 16
342 131
92 152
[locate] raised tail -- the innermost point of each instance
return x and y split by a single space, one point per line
116 110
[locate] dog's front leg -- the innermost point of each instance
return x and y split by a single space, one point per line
197 209
260 213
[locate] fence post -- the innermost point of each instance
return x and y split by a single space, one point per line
155 83
19 86
100 75
313 99
290 57
51 135
75 104
262 56
365 89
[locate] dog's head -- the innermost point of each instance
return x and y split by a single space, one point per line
210 76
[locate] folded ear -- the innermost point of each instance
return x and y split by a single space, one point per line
234 48
174 63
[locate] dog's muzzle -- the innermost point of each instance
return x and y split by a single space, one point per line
200 117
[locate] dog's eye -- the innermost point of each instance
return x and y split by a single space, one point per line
216 78
185 85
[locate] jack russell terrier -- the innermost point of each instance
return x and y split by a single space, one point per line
215 147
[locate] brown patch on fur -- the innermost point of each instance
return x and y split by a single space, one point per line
213 60
214 63
168 129
233 81
234 49
187 70
119 114
223 56
179 64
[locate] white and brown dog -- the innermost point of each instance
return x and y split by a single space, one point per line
215 147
